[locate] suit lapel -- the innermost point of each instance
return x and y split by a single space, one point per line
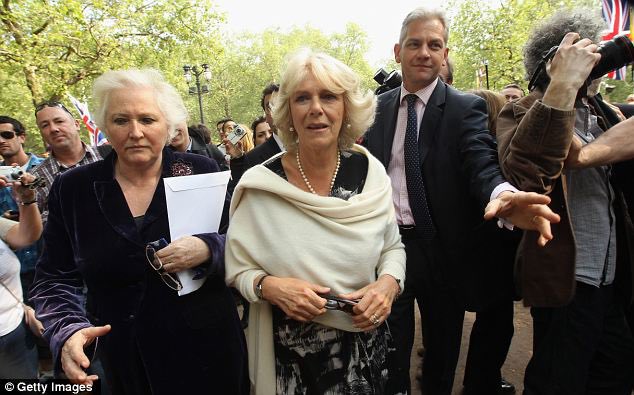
389 123
112 202
114 207
429 126
158 205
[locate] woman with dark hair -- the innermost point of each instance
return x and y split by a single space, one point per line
261 130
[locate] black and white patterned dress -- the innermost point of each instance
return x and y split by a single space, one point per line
311 358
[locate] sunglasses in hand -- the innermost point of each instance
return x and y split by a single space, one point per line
169 279
335 303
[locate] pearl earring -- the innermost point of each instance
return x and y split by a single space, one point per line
291 129
348 126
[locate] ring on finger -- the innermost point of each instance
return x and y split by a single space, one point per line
535 218
375 320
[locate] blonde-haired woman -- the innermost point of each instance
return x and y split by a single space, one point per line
313 241
247 143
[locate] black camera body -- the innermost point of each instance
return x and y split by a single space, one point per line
615 54
387 81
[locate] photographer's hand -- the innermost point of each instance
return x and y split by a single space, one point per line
21 191
29 229
568 70
235 151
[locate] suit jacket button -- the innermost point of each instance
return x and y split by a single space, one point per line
131 317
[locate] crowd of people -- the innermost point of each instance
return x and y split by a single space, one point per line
345 210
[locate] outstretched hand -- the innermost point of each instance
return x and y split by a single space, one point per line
526 210
73 358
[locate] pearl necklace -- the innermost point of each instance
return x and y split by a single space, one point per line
310 187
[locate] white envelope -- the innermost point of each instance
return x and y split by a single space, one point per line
194 205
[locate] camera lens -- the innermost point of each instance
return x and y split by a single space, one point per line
615 54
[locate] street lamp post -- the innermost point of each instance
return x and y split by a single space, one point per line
486 71
198 89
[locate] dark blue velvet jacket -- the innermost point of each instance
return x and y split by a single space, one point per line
160 342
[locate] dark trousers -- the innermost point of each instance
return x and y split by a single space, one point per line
585 347
488 347
441 314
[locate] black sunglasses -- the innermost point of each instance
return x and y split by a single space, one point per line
335 303
150 253
57 104
7 134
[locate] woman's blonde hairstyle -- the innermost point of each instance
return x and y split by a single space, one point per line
359 106
167 98
495 102
247 140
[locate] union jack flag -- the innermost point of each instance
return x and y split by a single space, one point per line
97 137
617 14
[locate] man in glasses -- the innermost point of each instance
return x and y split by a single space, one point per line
12 138
60 131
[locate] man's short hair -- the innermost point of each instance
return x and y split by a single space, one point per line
223 121
18 128
449 78
270 88
201 131
587 22
424 14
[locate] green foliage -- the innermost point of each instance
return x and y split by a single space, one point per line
252 61
51 48
481 31
496 33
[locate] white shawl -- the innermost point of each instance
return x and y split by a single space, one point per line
278 229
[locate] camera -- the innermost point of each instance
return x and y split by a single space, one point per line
615 54
12 173
236 135
387 81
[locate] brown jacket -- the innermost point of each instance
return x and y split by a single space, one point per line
533 142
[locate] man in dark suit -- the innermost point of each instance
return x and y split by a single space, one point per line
434 143
239 164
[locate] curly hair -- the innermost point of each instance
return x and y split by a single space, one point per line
335 76
587 22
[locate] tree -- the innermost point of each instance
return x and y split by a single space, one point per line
496 33
51 47
252 61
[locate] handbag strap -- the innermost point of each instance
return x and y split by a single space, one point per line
24 306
